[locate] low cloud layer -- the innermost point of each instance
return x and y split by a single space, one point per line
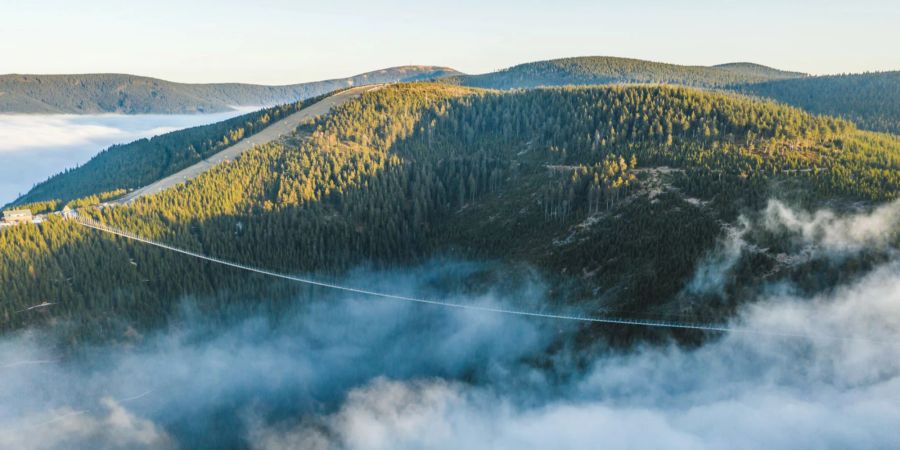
196 374
111 427
33 147
349 372
836 388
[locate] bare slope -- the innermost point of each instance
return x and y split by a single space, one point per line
271 133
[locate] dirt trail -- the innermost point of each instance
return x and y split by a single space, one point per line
271 133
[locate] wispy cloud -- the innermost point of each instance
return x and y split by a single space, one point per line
111 426
837 390
710 276
834 232
820 233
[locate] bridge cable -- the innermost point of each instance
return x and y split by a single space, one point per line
90 223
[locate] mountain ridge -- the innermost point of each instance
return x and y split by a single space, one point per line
870 99
136 94
589 70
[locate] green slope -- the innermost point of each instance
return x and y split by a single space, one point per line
872 100
590 70
136 164
130 94
758 70
611 194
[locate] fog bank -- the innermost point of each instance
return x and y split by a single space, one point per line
34 147
344 371
835 389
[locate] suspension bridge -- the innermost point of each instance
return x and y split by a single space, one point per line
93 224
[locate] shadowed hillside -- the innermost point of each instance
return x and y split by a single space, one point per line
872 100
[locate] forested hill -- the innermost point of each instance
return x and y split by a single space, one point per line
759 70
130 94
139 163
613 195
872 100
590 70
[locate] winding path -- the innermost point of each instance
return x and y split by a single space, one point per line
271 133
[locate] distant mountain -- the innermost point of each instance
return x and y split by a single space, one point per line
138 163
609 70
872 100
130 94
759 70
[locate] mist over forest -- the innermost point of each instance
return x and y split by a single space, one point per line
349 371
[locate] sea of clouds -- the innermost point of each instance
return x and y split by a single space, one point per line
34 147
347 372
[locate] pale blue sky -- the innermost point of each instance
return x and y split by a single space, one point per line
282 41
